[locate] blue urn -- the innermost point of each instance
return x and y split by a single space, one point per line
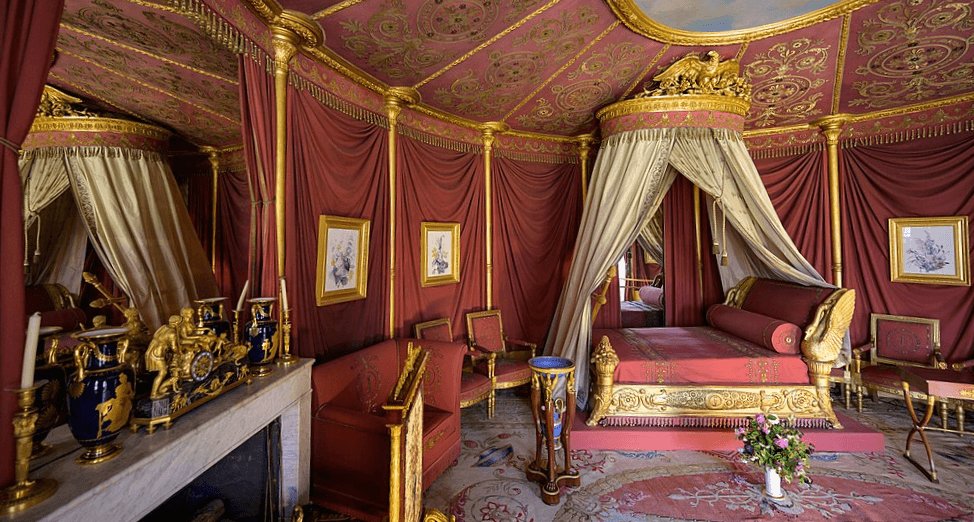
261 335
100 393
209 314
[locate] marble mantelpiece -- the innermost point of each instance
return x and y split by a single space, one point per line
153 467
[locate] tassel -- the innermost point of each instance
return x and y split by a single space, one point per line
713 212
37 242
724 261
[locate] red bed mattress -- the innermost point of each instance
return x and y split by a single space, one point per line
637 314
697 355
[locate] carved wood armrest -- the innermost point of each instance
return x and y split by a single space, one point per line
518 345
963 365
937 360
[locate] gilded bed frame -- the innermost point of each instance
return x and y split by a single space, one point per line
821 344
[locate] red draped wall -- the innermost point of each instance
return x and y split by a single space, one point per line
610 315
799 190
198 185
338 166
232 233
930 177
536 211
437 184
258 124
685 300
28 30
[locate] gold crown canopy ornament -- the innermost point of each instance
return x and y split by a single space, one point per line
694 75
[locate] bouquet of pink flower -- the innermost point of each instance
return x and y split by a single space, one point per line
771 443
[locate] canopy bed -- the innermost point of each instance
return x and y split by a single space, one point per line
689 123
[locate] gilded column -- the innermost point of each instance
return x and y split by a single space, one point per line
213 156
832 128
396 98
489 132
584 147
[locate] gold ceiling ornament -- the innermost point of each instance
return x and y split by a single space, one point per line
300 24
637 20
694 75
58 104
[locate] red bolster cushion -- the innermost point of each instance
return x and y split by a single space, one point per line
651 295
774 334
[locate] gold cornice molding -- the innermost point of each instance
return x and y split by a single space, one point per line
774 131
693 102
298 28
832 126
330 10
635 19
99 124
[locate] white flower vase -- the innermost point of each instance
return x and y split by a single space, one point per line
772 484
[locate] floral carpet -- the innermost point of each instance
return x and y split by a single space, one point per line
487 483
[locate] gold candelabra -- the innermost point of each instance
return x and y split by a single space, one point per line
25 493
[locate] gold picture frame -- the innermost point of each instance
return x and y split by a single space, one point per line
441 253
343 259
930 250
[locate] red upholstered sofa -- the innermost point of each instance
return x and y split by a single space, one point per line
769 348
349 438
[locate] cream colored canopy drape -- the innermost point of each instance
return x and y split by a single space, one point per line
650 238
132 210
633 170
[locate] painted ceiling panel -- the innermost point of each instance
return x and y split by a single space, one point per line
133 96
793 78
606 72
403 43
487 85
908 51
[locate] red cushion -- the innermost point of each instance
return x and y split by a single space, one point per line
473 385
439 332
507 370
904 341
882 375
774 334
70 319
789 302
651 295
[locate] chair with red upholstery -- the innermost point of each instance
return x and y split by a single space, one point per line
350 435
474 386
897 342
485 330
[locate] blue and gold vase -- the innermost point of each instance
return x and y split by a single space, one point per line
262 335
209 314
100 393
51 398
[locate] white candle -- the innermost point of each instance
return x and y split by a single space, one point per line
30 351
284 295
243 295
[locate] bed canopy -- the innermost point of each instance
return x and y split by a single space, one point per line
107 181
690 124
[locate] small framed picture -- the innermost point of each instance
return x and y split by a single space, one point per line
929 250
441 253
343 259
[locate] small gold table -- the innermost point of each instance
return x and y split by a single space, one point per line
936 384
553 408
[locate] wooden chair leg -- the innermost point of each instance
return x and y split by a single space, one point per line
943 414
960 418
859 399
919 427
847 392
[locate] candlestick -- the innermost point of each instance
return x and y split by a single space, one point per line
30 350
25 493
243 296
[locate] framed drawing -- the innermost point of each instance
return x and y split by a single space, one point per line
929 250
343 259
441 253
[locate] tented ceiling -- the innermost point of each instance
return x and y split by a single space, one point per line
541 66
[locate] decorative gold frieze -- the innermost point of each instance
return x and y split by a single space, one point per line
692 75
57 104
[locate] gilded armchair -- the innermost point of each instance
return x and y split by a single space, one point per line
475 387
508 364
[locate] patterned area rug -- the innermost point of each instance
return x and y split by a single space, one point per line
487 483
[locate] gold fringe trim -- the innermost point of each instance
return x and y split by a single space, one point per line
913 134
438 141
216 27
781 152
552 159
703 422
328 99
91 152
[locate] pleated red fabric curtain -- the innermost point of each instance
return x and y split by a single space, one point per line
28 30
610 314
687 293
929 177
257 122
199 203
439 185
799 190
232 233
338 166
536 211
